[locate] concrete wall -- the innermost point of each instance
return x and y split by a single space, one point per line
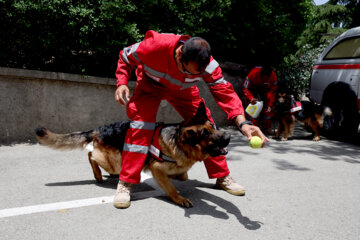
68 102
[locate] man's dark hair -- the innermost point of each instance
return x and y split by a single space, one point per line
266 70
198 50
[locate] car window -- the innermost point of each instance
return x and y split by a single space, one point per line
349 48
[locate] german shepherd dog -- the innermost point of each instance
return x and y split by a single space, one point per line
287 111
182 145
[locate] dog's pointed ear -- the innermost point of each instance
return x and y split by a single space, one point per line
201 112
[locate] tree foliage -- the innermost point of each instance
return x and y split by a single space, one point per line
63 35
264 30
295 71
353 9
85 36
326 22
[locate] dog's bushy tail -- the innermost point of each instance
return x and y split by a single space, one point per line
327 111
328 119
65 141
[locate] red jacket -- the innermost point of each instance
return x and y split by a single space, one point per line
254 84
154 58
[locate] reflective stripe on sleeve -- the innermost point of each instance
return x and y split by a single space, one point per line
219 81
130 50
188 80
211 66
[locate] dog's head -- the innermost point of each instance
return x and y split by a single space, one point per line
283 102
199 138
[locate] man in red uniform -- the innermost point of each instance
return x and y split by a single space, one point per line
260 85
168 66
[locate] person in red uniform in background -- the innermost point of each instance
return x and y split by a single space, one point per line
168 66
260 85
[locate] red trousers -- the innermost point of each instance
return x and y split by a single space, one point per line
142 109
264 121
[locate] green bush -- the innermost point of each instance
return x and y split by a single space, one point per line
64 35
85 36
295 71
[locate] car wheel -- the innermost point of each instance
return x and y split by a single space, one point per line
342 100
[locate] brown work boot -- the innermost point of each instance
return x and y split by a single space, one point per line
122 195
228 184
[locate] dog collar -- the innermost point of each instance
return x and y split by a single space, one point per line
155 148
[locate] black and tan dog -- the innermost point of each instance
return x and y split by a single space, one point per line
181 144
287 111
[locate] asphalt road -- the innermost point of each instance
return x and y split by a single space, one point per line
297 189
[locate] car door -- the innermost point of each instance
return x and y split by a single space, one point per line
341 62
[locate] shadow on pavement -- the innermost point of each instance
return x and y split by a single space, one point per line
190 189
285 165
109 182
302 143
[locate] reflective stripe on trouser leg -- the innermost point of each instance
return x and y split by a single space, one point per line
141 109
135 151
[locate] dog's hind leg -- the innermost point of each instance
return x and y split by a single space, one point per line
164 182
95 167
316 131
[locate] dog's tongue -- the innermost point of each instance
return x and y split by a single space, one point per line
223 151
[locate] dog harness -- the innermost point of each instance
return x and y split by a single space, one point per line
155 148
295 106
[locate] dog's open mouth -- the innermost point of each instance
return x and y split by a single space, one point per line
224 151
218 151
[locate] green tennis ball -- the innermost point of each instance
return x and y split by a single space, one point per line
255 142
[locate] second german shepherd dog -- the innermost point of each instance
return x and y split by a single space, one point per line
286 112
182 146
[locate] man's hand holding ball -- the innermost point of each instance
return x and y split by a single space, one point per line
253 133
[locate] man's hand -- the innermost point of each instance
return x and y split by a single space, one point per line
119 94
253 101
250 130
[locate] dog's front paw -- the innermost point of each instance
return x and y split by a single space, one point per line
184 202
284 139
317 138
99 180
